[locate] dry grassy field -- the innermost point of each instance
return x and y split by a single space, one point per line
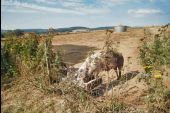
22 95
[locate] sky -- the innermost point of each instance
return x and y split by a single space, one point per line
32 14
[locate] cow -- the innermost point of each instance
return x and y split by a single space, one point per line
100 61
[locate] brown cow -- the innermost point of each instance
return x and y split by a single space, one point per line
108 61
100 61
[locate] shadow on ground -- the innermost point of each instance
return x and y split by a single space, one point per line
74 54
102 89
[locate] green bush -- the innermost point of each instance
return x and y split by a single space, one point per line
157 53
15 50
27 56
12 33
154 56
156 98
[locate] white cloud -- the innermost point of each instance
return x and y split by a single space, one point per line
143 12
117 2
46 1
18 11
81 6
72 4
29 6
67 6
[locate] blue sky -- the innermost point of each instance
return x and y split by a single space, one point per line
22 14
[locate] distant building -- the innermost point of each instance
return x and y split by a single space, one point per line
80 30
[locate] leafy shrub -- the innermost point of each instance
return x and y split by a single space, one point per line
15 50
154 56
156 53
27 55
156 98
12 33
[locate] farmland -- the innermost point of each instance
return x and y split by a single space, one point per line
22 95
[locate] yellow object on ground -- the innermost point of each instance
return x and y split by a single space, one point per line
157 74
148 67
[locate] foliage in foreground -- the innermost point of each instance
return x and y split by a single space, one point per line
155 58
16 51
30 55
156 53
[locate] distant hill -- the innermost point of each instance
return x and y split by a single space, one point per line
103 28
69 29
29 30
2 31
35 30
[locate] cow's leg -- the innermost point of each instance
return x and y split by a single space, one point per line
119 74
116 73
119 68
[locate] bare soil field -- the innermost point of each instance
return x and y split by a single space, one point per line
126 43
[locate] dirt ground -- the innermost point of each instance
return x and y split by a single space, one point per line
126 43
77 46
